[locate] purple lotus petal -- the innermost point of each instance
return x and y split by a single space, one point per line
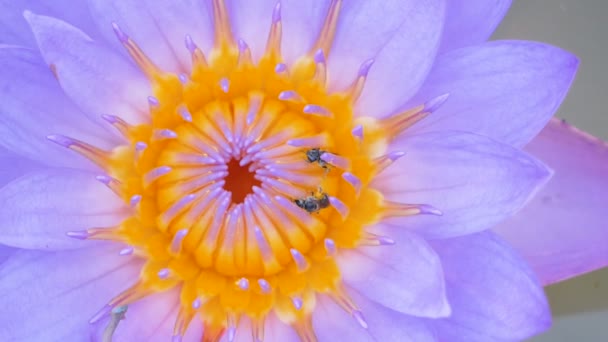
562 232
38 209
471 22
34 106
5 253
152 319
15 31
415 287
403 45
158 27
251 22
113 85
52 295
301 21
493 293
18 166
275 330
509 91
332 323
474 181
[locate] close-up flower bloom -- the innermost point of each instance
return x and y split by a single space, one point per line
243 170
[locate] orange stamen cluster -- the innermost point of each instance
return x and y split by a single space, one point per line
247 181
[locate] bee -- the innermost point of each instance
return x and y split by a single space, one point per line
314 202
314 156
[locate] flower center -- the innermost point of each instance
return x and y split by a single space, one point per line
240 181
247 181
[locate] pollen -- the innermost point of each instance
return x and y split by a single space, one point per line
247 181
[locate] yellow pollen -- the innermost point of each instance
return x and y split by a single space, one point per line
248 180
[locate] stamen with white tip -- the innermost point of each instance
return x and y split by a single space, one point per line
244 53
377 240
358 316
339 206
336 160
90 152
434 104
123 127
155 174
140 146
280 68
135 200
184 79
196 304
357 132
330 247
297 302
264 286
164 273
80 235
175 209
321 67
299 260
273 45
185 114
357 87
311 142
126 251
394 209
316 110
153 102
198 58
176 243
164 133
231 333
138 56
385 161
290 95
354 181
396 124
243 284
113 184
225 84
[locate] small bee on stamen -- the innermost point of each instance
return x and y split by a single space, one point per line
314 202
314 156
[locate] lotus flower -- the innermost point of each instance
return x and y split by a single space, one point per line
286 171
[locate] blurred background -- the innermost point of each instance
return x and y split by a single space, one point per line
580 306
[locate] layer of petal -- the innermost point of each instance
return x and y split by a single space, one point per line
402 37
158 27
302 22
14 166
415 287
332 323
275 330
97 79
251 22
506 90
37 210
152 319
471 22
6 252
563 231
15 30
34 106
493 293
50 296
474 181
